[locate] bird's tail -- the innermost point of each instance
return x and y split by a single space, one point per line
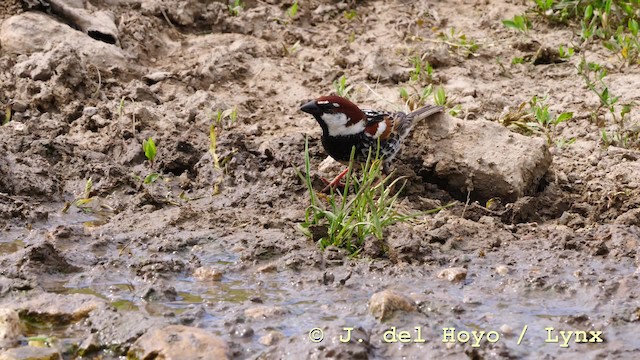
411 119
424 112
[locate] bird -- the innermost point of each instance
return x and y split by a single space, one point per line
344 126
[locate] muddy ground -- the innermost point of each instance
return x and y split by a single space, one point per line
93 277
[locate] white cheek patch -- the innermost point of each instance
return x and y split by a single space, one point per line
337 125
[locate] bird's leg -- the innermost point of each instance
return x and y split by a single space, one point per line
335 181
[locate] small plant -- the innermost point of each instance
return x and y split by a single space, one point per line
149 148
81 201
459 42
350 14
417 98
7 114
222 119
236 8
293 9
341 87
538 119
440 98
519 22
348 221
290 50
565 52
421 71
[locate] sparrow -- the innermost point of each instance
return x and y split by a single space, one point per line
344 126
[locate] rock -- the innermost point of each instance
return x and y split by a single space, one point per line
482 157
453 274
10 331
502 270
31 353
43 31
264 312
272 337
384 303
207 274
89 111
89 345
631 217
58 309
177 342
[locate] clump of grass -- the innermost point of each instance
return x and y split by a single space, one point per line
236 7
520 23
614 22
459 42
538 119
350 14
346 221
421 70
341 87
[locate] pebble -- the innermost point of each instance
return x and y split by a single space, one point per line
384 303
453 274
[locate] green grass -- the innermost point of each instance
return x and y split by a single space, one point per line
221 119
236 8
347 221
534 117
519 22
341 87
293 9
459 42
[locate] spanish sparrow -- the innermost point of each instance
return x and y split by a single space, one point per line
344 126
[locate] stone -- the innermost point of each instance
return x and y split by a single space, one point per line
264 312
207 274
384 303
453 274
10 331
31 353
482 157
43 32
178 342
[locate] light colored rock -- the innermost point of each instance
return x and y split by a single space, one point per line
32 32
502 270
482 157
178 342
264 312
10 331
272 337
207 274
453 274
31 353
382 304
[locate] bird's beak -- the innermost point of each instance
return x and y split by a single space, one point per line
311 108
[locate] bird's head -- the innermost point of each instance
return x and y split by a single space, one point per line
336 115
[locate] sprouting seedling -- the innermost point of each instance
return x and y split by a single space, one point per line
565 53
290 50
149 148
421 69
350 15
341 87
293 9
439 96
519 22
236 7
7 114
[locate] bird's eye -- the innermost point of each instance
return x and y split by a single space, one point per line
336 105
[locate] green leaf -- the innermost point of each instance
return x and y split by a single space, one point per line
149 148
564 117
151 178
